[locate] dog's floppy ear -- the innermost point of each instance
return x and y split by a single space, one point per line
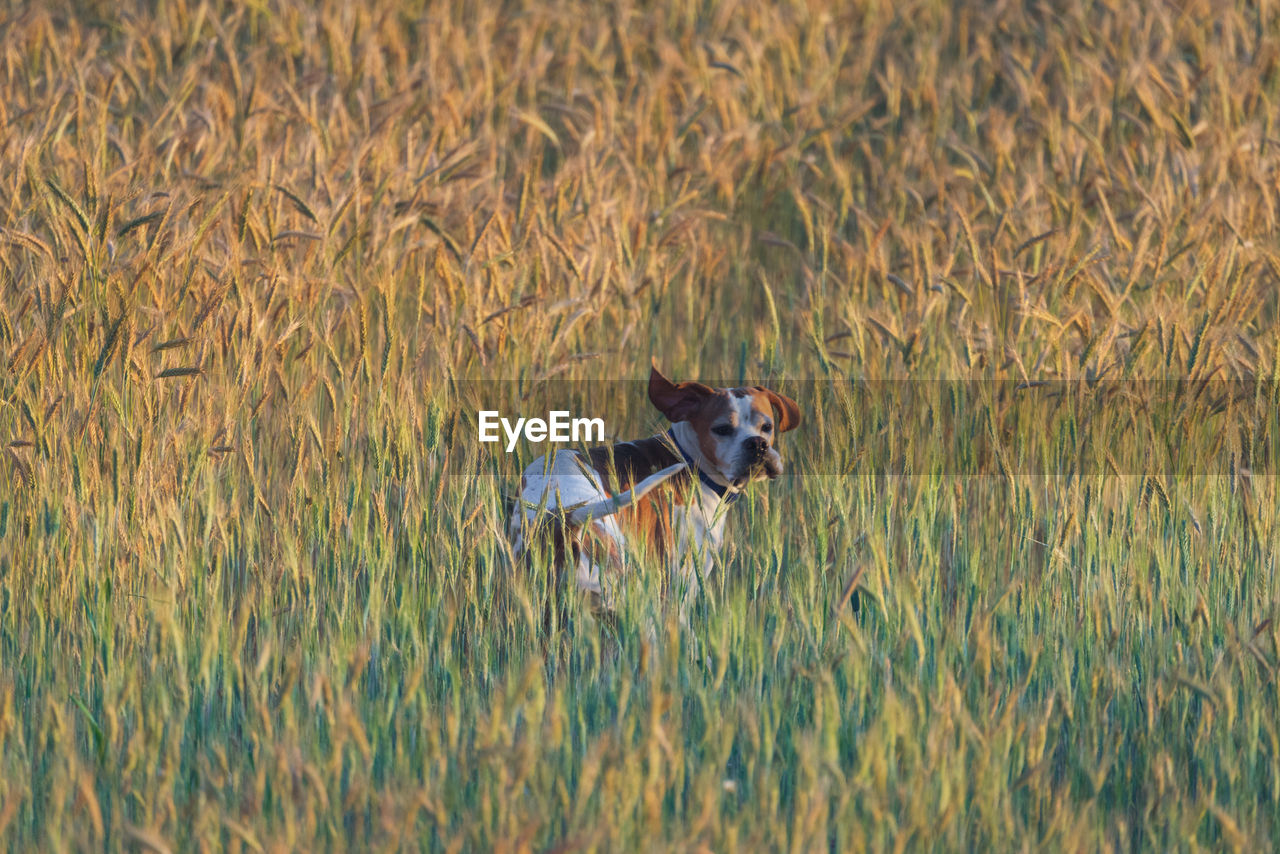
785 409
677 401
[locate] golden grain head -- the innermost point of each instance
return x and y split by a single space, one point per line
252 587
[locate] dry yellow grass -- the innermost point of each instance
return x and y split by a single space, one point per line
251 254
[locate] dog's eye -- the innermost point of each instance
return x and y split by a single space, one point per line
722 430
767 427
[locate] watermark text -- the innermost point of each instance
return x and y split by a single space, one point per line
558 426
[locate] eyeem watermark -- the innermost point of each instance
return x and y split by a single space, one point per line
853 427
557 427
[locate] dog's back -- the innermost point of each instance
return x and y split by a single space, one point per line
554 490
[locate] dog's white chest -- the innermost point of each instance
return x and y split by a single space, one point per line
699 532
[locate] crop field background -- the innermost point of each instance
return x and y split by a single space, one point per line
255 592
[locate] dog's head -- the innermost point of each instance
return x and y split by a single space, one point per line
735 428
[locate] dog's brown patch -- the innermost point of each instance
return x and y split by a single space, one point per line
624 465
785 411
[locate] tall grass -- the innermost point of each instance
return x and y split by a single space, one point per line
251 255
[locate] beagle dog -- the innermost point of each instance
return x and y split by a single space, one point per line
666 494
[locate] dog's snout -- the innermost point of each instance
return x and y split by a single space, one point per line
757 446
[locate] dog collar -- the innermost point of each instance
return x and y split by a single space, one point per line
721 491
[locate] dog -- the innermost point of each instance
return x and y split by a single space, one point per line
594 510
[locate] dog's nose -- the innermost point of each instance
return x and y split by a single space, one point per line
757 446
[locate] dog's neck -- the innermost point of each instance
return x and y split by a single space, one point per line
686 442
